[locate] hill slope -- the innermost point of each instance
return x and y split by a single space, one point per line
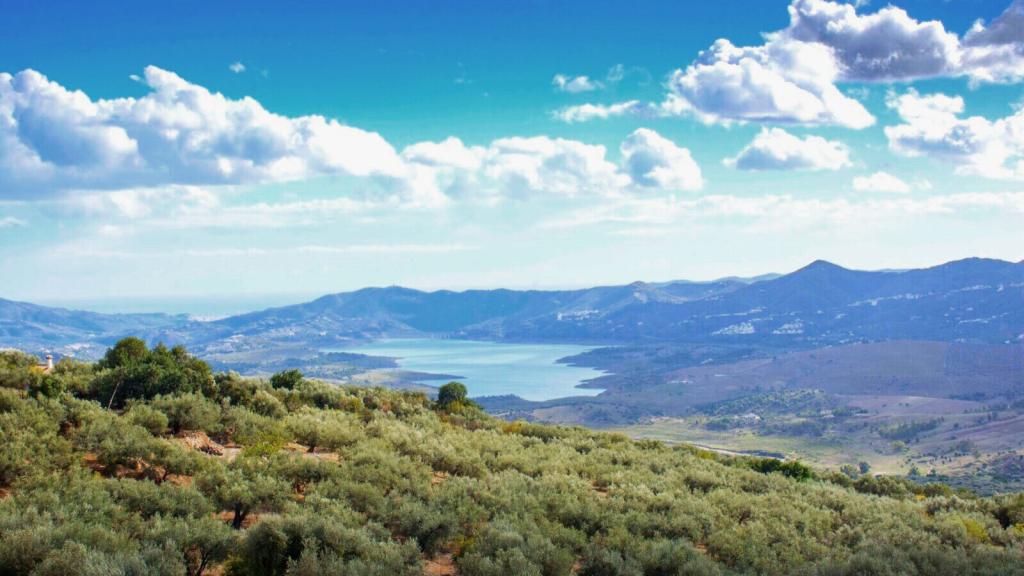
209 473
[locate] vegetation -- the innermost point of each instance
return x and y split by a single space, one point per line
454 397
190 472
908 431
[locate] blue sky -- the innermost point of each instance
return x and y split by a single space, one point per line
191 149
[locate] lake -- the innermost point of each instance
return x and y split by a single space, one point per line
530 371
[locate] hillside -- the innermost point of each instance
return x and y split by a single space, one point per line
973 393
201 473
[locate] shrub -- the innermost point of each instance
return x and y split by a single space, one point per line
788 468
286 380
453 397
149 418
266 404
188 412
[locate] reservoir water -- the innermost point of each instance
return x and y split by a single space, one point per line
530 371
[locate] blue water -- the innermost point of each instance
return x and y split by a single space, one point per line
529 371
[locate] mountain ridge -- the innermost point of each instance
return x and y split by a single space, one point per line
822 303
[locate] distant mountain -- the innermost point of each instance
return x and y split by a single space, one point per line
485 314
973 300
38 328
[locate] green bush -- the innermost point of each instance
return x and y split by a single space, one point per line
286 380
131 371
151 419
788 468
453 397
189 412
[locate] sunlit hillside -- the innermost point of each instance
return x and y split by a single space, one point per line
149 463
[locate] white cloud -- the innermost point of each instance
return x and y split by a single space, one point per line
576 84
932 126
654 161
237 67
793 76
775 212
890 45
182 137
449 153
776 149
1008 28
880 182
79 251
620 72
12 222
53 139
588 111
883 46
782 81
995 53
139 203
435 174
517 167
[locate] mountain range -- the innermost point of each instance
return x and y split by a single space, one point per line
971 300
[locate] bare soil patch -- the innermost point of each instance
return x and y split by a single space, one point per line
441 565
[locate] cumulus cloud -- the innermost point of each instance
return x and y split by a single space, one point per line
883 46
933 126
880 182
573 85
181 136
782 81
12 222
585 112
53 139
237 67
654 161
776 149
507 168
793 76
995 53
516 167
449 153
890 45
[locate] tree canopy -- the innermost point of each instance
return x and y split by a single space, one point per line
453 396
130 371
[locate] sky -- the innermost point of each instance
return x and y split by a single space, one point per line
191 149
